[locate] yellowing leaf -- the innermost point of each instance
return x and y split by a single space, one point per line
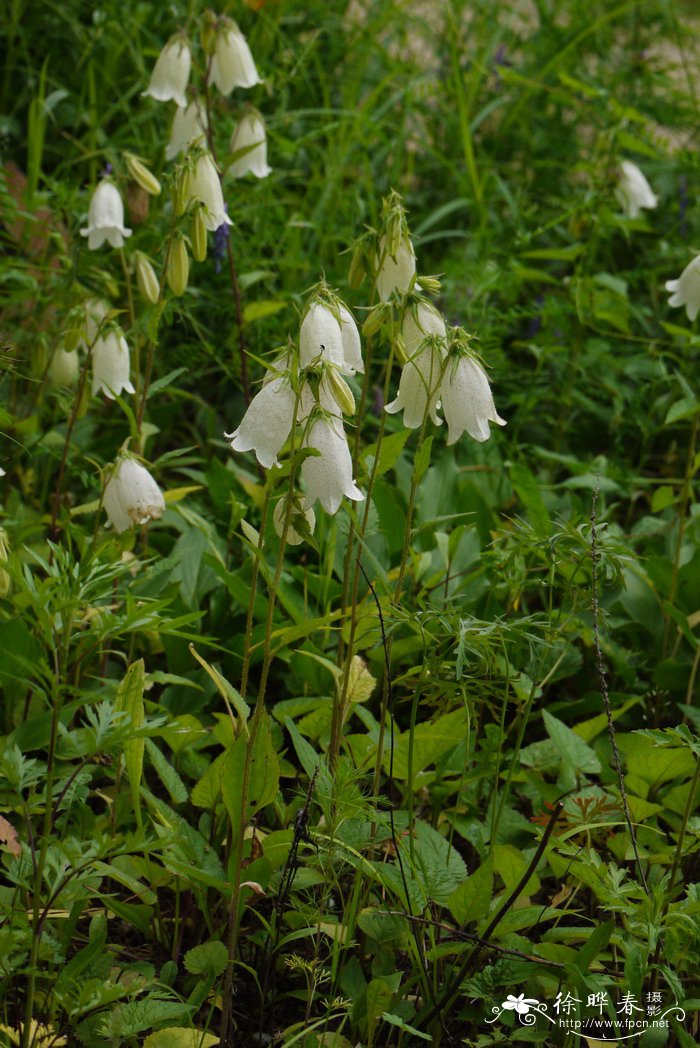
360 681
180 1037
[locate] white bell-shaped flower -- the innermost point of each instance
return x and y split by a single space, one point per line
395 274
249 141
190 125
171 72
110 365
352 347
205 186
686 290
328 476
105 217
131 495
633 191
232 63
467 400
64 368
419 386
320 336
280 515
267 423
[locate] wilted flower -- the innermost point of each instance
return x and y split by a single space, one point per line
204 185
171 72
328 476
395 273
419 386
633 191
232 63
249 141
64 368
298 514
105 217
190 125
686 290
467 400
131 495
320 336
110 365
352 348
267 423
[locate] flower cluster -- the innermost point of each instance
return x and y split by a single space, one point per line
302 400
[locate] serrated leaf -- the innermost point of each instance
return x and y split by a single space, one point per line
361 683
470 901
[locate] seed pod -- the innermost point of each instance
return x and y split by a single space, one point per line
146 279
199 235
141 175
178 267
341 392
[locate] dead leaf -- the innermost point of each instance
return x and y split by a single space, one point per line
8 837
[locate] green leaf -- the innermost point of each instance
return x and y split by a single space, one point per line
264 307
208 959
180 1037
389 451
439 868
229 694
422 460
129 700
470 901
264 774
430 741
575 756
166 773
528 491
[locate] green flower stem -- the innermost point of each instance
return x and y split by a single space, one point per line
60 663
686 494
235 902
340 701
136 363
152 344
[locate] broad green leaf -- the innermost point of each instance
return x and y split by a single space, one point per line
528 490
166 773
439 868
389 451
180 1037
422 460
430 741
575 756
264 774
470 901
209 958
129 700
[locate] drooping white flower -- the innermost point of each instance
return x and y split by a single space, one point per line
352 347
190 125
267 423
328 476
467 400
131 495
205 186
105 217
250 142
110 365
232 63
171 72
633 191
419 386
395 274
320 336
280 515
686 290
64 368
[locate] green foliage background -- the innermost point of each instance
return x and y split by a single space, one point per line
502 129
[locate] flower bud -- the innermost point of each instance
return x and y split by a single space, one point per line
376 318
181 196
358 268
430 284
341 392
146 279
141 175
178 267
199 234
64 368
208 32
5 580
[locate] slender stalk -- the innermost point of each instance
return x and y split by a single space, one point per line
603 683
247 640
233 273
686 493
136 369
77 400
